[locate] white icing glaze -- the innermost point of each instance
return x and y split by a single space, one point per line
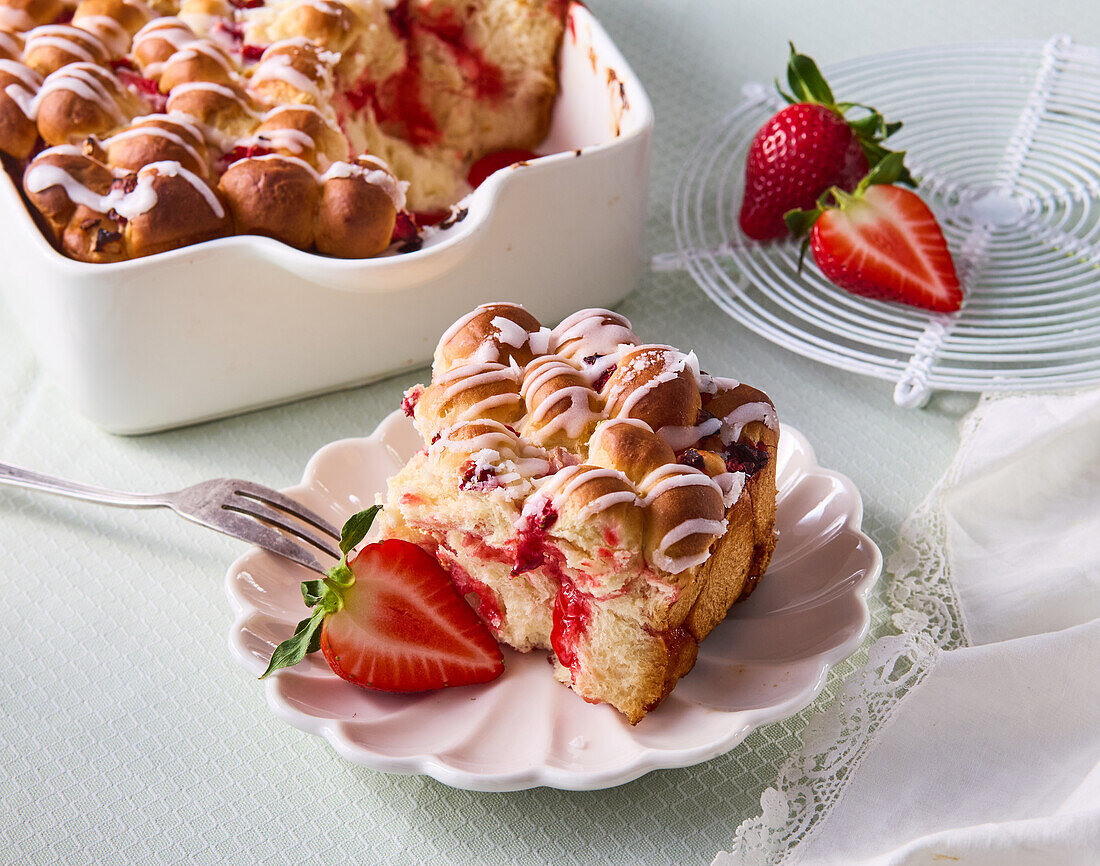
129 205
574 418
596 332
212 87
113 35
204 47
669 476
9 44
15 19
540 341
467 376
497 438
170 30
380 177
151 131
674 364
563 483
713 384
735 421
278 67
86 80
690 527
22 93
509 332
731 484
680 438
282 157
72 40
293 140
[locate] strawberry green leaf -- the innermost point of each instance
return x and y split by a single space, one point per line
312 592
801 221
890 168
306 639
806 81
356 528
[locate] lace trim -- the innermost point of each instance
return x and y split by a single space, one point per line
926 610
833 745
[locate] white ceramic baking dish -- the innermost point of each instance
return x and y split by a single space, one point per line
244 322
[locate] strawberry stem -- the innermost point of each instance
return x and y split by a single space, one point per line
325 596
808 85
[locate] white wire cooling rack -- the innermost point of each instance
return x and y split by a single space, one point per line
1005 139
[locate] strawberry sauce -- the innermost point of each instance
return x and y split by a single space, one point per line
532 551
572 615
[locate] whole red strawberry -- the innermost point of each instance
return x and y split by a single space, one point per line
390 619
882 242
805 149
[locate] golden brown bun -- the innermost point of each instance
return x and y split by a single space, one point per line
25 14
355 220
302 131
200 60
223 106
47 49
18 133
80 100
273 197
156 139
52 202
637 389
479 330
293 71
96 16
183 215
157 41
328 23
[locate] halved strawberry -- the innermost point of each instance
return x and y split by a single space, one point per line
882 242
805 149
390 619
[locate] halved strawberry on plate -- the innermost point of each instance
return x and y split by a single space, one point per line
882 242
390 619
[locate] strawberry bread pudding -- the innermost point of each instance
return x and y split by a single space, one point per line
592 496
335 126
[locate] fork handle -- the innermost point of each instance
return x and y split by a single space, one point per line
20 477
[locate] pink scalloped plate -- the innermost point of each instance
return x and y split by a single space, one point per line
767 661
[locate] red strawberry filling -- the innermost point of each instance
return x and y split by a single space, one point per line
477 594
493 162
411 398
146 88
404 229
476 477
532 551
240 152
572 614
743 457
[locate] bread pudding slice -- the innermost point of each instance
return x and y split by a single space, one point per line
592 496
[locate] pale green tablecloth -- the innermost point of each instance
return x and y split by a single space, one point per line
127 732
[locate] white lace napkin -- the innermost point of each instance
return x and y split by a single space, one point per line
975 735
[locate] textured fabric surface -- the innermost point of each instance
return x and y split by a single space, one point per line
978 725
128 734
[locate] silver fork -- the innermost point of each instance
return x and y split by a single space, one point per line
240 509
